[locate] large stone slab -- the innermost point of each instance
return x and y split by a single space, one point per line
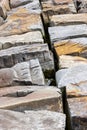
23 39
76 47
57 7
66 61
78 113
42 99
22 73
74 76
21 91
32 120
58 33
4 7
14 55
20 21
68 19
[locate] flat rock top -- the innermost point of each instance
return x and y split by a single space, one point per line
31 120
44 94
58 33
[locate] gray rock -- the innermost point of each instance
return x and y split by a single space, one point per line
14 55
25 72
73 75
32 120
58 33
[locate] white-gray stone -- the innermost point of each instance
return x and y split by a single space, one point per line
31 120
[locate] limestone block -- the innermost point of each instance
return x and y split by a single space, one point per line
29 120
23 39
78 113
58 33
76 47
14 55
41 99
25 72
74 76
68 19
66 61
4 7
20 21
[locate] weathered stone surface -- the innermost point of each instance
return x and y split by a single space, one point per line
29 120
76 90
55 7
30 72
67 19
4 7
20 21
43 99
33 6
13 55
76 46
74 76
17 40
58 33
21 91
78 113
66 61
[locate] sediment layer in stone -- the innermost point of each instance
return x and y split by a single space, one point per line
43 99
32 120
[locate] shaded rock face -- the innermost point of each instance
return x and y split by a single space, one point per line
14 55
32 120
28 72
